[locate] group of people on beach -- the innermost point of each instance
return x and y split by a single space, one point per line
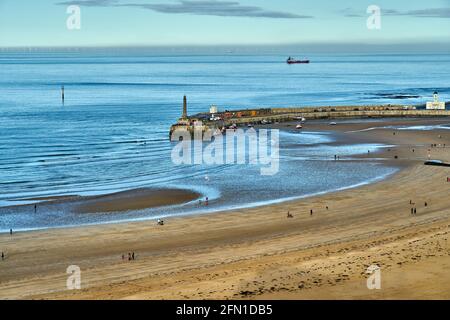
311 212
206 201
412 204
130 256
414 208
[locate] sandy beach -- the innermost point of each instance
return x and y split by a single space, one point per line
259 253
135 199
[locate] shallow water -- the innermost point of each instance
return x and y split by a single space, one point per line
112 132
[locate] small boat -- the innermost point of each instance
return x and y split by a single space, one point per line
291 60
302 119
298 127
333 123
437 163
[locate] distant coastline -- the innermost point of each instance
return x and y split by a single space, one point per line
350 48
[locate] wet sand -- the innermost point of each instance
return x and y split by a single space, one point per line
259 253
135 199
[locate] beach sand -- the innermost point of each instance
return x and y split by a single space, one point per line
135 199
258 253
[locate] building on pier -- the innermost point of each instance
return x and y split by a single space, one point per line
435 104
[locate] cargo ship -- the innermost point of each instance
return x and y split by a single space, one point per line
291 60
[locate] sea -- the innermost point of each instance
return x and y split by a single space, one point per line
111 132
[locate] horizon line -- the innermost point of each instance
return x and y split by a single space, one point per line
236 45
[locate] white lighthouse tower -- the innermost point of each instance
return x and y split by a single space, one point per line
435 104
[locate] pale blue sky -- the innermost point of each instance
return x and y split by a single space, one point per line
28 23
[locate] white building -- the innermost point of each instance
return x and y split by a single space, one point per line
436 104
213 110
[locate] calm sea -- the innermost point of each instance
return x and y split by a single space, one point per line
111 134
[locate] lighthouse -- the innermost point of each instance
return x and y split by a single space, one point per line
435 104
185 125
184 120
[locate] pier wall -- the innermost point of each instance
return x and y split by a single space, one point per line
310 109
316 112
290 114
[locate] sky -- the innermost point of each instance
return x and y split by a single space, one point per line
42 23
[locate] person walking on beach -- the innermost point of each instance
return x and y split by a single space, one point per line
415 211
206 201
311 212
129 256
132 256
3 256
35 208
426 204
412 211
10 232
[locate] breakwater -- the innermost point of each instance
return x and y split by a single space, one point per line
225 119
337 112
